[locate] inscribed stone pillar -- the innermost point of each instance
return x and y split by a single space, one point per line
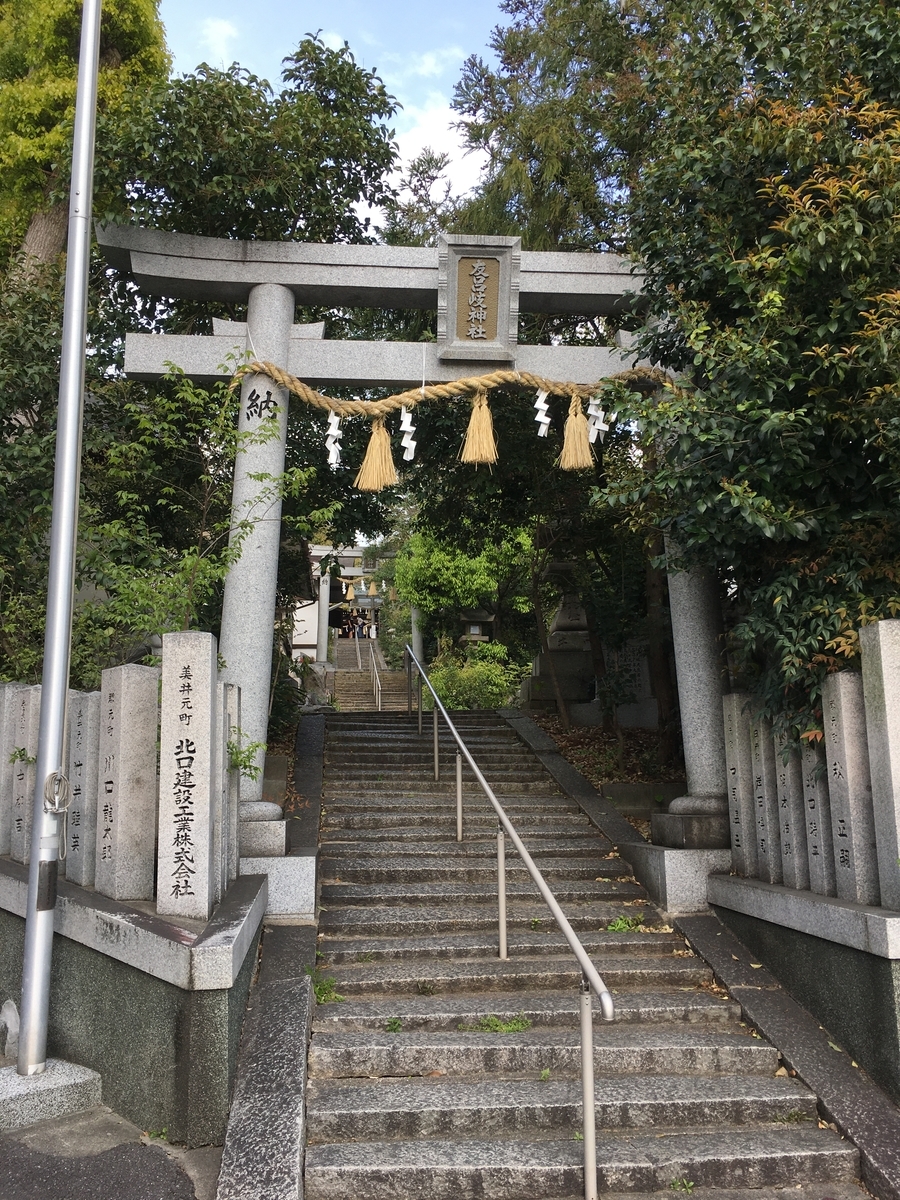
81 824
739 772
322 629
126 804
792 816
248 610
820 850
880 647
765 799
26 724
7 746
188 756
697 635
850 788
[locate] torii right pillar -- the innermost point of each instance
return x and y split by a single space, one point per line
698 820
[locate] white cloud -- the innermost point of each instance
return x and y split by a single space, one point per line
217 39
431 126
333 41
435 62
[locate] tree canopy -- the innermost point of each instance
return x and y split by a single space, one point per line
39 42
218 153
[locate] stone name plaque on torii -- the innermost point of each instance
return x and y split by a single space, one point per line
478 298
477 286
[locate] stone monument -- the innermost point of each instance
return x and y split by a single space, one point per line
126 805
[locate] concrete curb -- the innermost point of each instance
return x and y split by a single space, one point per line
862 1112
264 1141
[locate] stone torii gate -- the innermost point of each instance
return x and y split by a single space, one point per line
272 278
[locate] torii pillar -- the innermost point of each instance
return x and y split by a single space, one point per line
248 609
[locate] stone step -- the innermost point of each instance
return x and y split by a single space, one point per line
619 1050
437 1109
421 750
444 817
361 777
373 787
409 739
795 1191
472 893
548 1009
484 1169
473 945
415 1056
544 807
424 920
407 868
335 844
549 971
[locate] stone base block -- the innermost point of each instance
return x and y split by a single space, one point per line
292 884
852 993
691 831
154 1008
60 1090
675 879
262 839
862 926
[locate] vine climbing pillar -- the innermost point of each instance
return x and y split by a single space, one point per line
248 610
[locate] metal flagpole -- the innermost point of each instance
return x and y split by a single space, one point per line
51 786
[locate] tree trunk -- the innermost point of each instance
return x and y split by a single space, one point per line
43 244
598 658
661 681
548 657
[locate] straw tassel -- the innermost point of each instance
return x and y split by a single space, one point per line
576 451
377 470
480 445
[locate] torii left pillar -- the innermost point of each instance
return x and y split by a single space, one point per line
248 610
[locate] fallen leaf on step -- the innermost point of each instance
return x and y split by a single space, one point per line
834 1047
756 966
781 1071
431 1073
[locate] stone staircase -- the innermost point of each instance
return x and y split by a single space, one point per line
353 683
446 1074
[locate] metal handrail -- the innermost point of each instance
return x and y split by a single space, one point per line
376 678
590 978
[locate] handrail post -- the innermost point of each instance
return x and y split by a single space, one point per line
589 1130
501 888
419 685
437 758
459 815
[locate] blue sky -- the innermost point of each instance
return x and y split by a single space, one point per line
417 48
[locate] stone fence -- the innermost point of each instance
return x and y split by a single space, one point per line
827 819
153 768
